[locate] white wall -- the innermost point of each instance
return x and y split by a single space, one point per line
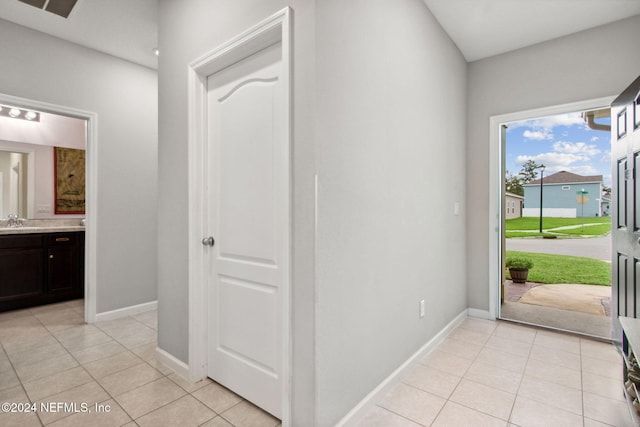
379 114
391 164
588 65
52 130
124 97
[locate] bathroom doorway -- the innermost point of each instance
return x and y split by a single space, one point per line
63 127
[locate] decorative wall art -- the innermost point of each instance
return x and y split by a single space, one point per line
69 170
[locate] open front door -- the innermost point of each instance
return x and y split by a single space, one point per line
625 225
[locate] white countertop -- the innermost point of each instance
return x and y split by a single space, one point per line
29 230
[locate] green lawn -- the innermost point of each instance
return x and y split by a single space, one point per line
558 269
592 230
532 223
518 227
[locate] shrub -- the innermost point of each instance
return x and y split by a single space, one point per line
517 262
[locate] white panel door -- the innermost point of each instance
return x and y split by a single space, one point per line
247 214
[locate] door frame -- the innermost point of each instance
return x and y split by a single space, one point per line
91 173
496 183
274 29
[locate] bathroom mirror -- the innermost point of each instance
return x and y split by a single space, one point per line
28 168
13 184
27 182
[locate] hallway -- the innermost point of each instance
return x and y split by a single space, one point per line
484 373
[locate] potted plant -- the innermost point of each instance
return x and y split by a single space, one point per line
518 268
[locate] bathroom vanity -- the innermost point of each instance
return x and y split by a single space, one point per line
40 265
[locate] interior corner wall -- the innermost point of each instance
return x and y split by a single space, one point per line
390 138
591 64
189 29
124 97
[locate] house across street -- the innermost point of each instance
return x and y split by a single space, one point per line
567 195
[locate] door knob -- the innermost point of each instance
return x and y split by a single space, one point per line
208 241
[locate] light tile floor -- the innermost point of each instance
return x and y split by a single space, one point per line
48 354
483 373
489 373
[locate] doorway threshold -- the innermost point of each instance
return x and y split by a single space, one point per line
584 324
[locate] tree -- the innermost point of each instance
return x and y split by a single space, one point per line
513 184
529 171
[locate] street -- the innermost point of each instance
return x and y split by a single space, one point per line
596 247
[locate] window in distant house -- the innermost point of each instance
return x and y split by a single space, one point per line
566 187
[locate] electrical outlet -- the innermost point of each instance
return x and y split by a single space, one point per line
422 308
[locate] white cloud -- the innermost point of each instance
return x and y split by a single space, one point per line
576 148
538 135
594 139
554 162
583 170
548 123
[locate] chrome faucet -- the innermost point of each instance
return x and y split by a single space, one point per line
14 222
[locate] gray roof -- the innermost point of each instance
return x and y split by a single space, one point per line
564 177
517 196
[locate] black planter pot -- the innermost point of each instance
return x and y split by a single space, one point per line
519 275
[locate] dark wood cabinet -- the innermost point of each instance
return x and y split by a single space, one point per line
40 268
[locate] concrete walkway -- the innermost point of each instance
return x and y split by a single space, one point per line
567 320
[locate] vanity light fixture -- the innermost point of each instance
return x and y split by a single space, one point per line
19 113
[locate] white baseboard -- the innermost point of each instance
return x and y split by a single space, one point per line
126 311
171 362
381 390
480 314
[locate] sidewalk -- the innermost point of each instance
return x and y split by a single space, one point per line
568 320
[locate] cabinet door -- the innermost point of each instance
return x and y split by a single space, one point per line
21 273
62 268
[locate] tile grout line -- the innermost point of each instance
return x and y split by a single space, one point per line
524 370
484 344
79 365
20 381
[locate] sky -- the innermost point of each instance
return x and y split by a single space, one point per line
562 143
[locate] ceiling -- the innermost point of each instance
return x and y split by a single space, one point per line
480 28
483 28
127 29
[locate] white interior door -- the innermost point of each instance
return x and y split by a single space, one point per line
247 214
